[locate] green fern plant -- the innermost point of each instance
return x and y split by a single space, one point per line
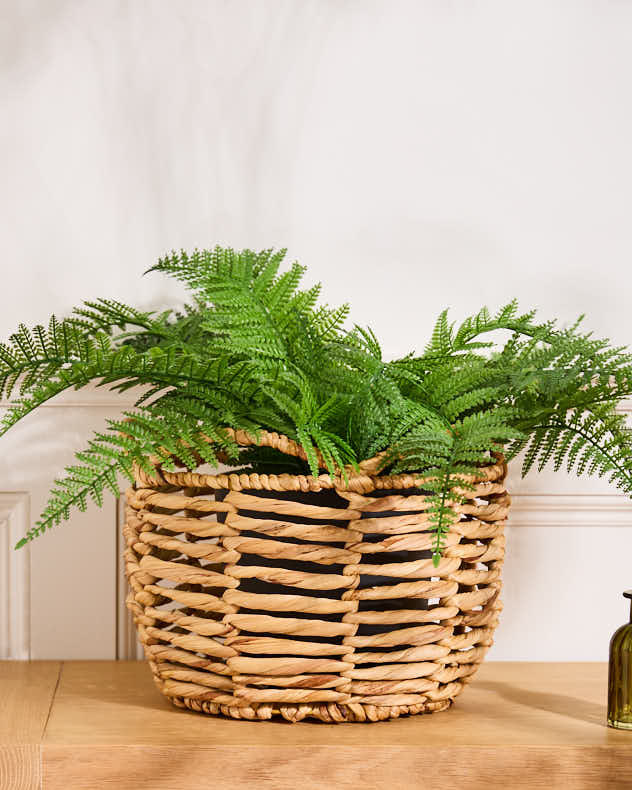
253 351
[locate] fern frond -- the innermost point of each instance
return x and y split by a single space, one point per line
254 351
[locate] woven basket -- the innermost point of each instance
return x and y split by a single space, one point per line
264 595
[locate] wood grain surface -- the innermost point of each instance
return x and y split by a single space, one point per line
26 695
517 726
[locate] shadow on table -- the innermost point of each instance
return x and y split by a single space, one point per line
562 704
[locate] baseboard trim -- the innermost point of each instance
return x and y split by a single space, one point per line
570 510
15 567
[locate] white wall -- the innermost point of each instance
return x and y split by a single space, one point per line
415 155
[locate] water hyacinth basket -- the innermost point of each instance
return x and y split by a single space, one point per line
258 596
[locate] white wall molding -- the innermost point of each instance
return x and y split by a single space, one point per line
15 631
542 509
90 396
93 396
570 510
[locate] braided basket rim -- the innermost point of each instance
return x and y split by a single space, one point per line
364 479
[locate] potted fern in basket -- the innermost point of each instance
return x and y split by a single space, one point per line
348 566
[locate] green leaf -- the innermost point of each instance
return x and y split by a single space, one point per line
254 351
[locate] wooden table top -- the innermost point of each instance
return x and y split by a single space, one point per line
103 724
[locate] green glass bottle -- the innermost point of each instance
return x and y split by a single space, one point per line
620 676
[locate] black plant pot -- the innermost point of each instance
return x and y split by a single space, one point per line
330 498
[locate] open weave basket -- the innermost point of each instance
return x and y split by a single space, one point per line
261 595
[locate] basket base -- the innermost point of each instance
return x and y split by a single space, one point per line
330 713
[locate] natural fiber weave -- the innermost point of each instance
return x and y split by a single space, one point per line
318 601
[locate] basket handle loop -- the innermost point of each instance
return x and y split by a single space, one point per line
277 441
288 446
